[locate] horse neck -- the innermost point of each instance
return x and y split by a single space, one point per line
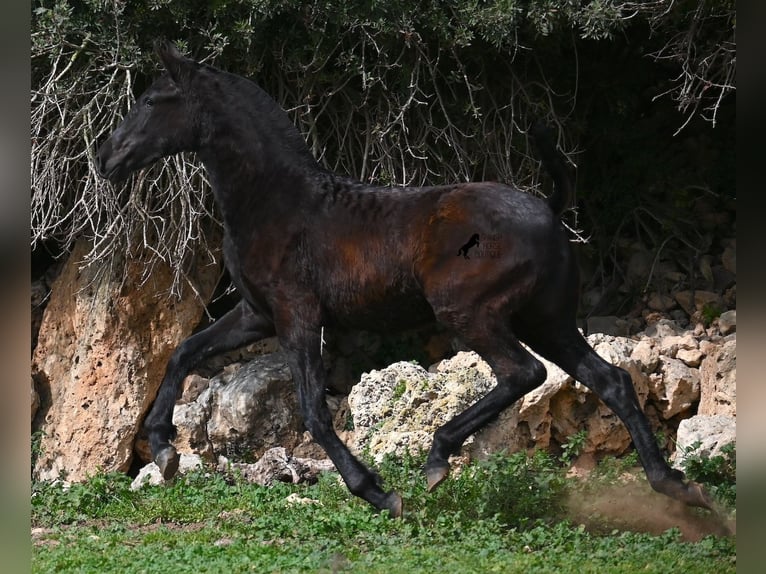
256 159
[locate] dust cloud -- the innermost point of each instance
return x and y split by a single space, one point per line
632 505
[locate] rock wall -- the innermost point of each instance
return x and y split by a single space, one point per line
101 353
400 406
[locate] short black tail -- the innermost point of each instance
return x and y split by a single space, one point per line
553 162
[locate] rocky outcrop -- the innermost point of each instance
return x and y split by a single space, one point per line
102 349
401 406
705 436
240 413
246 410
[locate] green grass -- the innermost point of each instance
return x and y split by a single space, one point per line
507 514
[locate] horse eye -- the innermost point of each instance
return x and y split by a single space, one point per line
149 102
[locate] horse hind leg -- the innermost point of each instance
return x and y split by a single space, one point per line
517 373
568 349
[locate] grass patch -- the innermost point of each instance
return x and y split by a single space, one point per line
506 514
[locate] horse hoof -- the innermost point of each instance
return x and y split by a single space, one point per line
696 495
435 475
167 459
395 505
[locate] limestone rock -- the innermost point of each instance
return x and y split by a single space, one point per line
727 322
713 432
646 353
256 409
402 405
151 475
191 424
718 380
662 328
102 351
672 344
277 466
675 387
243 411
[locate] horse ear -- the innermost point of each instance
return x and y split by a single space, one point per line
178 66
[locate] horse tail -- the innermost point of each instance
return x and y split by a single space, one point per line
553 162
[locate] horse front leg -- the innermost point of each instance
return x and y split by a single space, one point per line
239 327
303 355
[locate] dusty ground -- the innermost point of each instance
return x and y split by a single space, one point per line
632 505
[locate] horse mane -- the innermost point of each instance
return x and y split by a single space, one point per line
252 103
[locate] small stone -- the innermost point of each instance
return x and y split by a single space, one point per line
691 357
727 322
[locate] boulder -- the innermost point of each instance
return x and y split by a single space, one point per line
674 388
241 412
711 432
101 354
400 407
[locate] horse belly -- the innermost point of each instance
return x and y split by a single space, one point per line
404 309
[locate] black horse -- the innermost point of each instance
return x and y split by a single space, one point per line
308 249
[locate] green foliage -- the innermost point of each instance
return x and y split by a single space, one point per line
103 495
610 469
499 515
718 473
710 312
399 390
37 446
572 448
515 490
